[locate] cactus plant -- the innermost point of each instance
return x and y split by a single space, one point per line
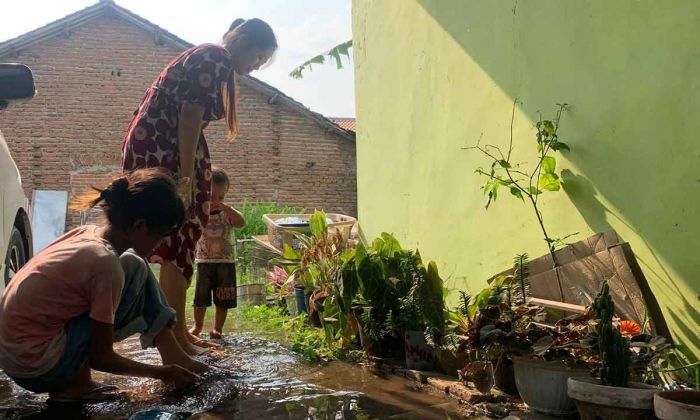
613 348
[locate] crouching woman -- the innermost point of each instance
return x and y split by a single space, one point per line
62 312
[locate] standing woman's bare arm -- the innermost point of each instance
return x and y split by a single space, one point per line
188 131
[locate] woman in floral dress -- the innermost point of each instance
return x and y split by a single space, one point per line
197 87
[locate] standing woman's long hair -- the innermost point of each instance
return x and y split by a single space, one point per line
246 34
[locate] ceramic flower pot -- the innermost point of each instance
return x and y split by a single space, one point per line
542 385
677 405
601 402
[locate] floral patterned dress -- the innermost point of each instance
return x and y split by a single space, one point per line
196 76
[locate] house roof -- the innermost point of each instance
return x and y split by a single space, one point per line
64 25
344 123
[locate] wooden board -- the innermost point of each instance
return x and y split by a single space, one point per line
264 241
584 265
566 307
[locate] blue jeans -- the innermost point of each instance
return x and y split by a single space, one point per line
142 309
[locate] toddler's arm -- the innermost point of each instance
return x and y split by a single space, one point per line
234 216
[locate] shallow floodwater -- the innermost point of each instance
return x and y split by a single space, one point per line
258 379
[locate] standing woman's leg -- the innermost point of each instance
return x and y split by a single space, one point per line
174 286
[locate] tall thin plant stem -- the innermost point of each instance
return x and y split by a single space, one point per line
531 190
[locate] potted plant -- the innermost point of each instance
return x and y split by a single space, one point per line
612 395
317 266
677 405
450 357
679 375
492 325
543 357
278 286
406 296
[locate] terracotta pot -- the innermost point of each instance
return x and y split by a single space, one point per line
504 376
677 405
481 375
450 363
601 402
542 385
314 316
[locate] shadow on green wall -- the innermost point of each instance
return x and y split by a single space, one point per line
630 127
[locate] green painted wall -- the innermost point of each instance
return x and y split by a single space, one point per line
433 76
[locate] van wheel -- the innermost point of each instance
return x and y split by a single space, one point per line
16 255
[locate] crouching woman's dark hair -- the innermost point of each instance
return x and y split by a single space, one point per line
148 194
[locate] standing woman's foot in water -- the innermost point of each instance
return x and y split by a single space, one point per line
191 348
200 342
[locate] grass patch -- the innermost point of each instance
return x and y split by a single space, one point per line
295 333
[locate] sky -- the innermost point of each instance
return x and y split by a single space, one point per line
304 28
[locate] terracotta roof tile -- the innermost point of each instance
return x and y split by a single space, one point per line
344 123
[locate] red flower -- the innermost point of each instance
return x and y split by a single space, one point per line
629 328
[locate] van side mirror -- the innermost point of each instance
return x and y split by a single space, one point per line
16 83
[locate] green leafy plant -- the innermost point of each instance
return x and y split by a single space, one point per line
308 342
527 185
253 212
400 292
318 266
613 348
463 307
675 369
521 272
395 279
334 54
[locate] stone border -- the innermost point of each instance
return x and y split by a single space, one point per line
496 404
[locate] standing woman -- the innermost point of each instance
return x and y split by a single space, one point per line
197 87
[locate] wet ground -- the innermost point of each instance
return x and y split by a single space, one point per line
258 379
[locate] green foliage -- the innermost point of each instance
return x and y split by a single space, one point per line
464 299
393 279
246 264
317 223
401 291
334 54
526 185
319 267
521 272
486 296
613 348
253 211
677 366
294 332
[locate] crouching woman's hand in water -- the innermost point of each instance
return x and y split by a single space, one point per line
178 368
177 376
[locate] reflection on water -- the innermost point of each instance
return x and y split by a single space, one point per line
256 379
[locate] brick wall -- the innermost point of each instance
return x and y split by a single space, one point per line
91 80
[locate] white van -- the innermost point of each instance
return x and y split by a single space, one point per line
16 85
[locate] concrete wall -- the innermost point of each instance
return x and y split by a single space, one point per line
434 76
